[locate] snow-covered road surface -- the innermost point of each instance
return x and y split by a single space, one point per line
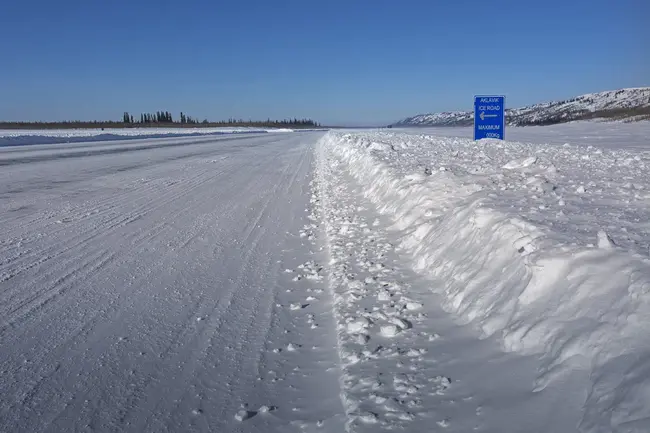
144 287
349 281
23 137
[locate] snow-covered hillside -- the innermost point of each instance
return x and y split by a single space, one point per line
628 104
543 247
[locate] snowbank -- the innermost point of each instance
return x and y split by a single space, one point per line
544 246
613 135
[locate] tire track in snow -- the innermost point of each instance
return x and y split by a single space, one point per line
201 343
122 349
255 324
114 220
151 166
125 196
170 355
72 273
80 241
219 318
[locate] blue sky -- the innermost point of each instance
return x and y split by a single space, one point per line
352 61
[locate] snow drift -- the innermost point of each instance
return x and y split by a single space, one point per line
544 246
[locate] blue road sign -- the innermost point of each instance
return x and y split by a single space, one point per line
489 117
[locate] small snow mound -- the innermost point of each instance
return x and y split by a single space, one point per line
412 353
443 381
361 338
353 358
358 325
400 323
539 184
412 306
368 417
383 295
604 240
355 285
382 147
415 177
520 163
244 414
266 409
581 189
389 330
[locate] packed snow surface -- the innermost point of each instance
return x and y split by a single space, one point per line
19 137
351 281
143 288
544 247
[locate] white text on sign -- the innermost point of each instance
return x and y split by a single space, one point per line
489 100
489 108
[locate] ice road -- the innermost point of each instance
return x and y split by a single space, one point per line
144 287
346 281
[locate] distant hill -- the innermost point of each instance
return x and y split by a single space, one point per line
631 104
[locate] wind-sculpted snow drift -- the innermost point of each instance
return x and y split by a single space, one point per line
544 246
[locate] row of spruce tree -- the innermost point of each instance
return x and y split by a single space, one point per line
158 117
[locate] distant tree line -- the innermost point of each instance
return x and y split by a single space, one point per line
184 119
163 118
158 117
286 123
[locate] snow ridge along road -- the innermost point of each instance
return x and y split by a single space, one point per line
155 290
541 248
407 365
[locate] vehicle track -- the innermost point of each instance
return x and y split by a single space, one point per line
155 297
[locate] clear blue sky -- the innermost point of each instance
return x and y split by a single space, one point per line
335 61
